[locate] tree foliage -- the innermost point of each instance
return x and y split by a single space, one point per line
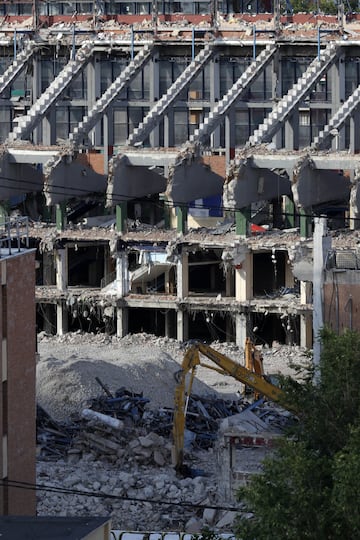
310 488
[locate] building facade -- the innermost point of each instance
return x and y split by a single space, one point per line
172 157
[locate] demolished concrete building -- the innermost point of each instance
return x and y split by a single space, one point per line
172 157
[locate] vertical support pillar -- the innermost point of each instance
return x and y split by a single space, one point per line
306 337
243 293
289 276
215 97
229 135
48 268
242 219
292 131
289 207
169 129
61 216
122 289
61 285
182 270
321 247
181 214
338 97
305 224
354 133
241 330
182 325
121 217
154 96
122 320
229 283
244 279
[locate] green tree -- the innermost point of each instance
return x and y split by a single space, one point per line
310 488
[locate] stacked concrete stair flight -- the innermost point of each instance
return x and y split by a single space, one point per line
215 116
98 110
38 110
301 88
17 66
338 119
154 115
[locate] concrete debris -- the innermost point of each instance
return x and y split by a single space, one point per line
134 462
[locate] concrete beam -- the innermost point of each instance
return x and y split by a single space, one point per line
249 184
32 156
17 179
126 182
159 157
190 179
326 161
66 179
312 186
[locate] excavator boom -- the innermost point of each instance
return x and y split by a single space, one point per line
191 360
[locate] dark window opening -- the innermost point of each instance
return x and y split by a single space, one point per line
269 273
211 326
206 275
271 328
86 266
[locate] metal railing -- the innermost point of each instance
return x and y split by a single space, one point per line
12 231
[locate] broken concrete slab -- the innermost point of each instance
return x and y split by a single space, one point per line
190 179
66 178
127 182
18 178
247 184
311 186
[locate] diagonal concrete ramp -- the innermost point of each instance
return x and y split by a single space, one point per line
126 181
247 184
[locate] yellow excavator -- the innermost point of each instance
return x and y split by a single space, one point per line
252 376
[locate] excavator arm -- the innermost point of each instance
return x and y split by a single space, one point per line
224 365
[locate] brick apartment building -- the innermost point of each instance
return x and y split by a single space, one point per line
18 364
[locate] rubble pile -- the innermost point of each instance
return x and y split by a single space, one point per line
95 441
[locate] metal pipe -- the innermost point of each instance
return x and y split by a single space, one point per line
132 42
192 43
15 44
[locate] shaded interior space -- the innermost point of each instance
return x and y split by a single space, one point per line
150 273
86 265
152 321
206 275
270 328
147 210
269 273
46 318
209 326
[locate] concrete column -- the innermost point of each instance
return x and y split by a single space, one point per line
182 325
169 129
289 212
244 279
154 95
292 132
122 274
242 220
289 276
215 97
61 319
61 258
181 214
93 94
241 330
182 270
229 135
229 284
122 319
306 336
48 268
354 133
36 92
322 245
338 97
121 217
